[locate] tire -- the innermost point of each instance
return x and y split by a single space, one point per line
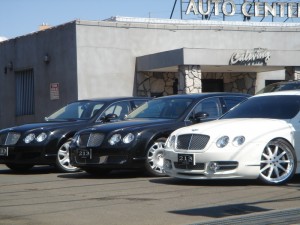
63 159
154 158
20 168
278 162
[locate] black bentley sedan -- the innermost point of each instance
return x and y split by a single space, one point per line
138 141
47 143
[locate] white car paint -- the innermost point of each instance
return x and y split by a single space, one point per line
258 132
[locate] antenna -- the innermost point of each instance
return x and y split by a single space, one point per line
173 9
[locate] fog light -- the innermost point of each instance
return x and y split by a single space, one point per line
213 167
167 164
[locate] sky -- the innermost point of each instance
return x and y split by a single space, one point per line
21 17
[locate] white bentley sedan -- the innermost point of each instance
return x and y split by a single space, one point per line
260 138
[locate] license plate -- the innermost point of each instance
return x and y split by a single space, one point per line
85 154
3 151
185 159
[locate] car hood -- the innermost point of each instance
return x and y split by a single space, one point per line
235 127
132 124
47 126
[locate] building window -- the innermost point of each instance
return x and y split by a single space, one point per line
24 92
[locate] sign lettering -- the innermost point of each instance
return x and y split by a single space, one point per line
247 8
256 56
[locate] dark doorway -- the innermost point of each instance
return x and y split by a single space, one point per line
212 85
267 82
157 94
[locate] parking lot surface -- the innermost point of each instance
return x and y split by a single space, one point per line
46 197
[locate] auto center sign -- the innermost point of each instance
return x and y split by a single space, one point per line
246 8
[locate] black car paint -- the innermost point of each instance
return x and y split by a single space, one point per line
58 132
146 131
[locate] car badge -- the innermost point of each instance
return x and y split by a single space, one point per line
195 129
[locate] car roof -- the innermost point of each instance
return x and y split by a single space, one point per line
109 99
204 95
286 82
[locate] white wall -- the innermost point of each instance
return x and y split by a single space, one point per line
272 75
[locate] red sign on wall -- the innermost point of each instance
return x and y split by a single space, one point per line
54 91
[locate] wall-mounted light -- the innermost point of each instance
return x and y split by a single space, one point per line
46 58
8 67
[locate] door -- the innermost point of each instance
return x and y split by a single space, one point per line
212 85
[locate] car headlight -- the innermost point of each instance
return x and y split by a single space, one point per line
170 143
239 140
29 138
115 139
41 137
222 141
128 138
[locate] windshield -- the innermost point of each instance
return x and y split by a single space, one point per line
274 107
165 108
77 111
280 87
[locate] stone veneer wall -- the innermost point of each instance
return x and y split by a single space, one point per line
235 82
190 79
156 83
168 83
292 73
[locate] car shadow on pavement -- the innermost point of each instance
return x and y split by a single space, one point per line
117 174
295 181
34 170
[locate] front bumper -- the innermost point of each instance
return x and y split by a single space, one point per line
111 158
215 164
35 155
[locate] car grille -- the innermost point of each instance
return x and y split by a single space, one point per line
91 140
10 138
192 141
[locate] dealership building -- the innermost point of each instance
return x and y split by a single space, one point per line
123 56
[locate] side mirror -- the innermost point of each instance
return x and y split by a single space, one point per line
109 117
196 118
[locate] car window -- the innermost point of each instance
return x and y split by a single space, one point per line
96 109
77 110
211 106
280 87
274 107
230 102
168 108
137 103
121 109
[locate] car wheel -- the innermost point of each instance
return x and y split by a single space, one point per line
63 158
154 160
20 168
278 162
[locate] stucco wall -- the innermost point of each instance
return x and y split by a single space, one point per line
107 51
98 58
27 52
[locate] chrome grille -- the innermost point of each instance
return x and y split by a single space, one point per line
83 140
10 138
91 139
192 141
95 140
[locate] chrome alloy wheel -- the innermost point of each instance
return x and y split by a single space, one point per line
63 158
155 160
278 162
